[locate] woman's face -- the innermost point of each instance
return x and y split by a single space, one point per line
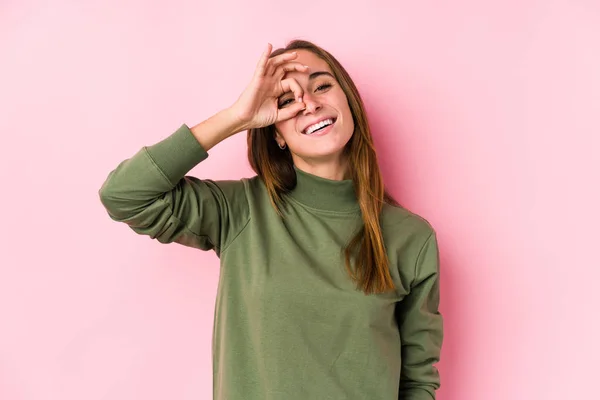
320 132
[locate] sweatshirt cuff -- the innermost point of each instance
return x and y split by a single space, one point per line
177 154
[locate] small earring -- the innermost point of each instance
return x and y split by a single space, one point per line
282 147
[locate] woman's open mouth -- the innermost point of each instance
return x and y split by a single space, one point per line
320 128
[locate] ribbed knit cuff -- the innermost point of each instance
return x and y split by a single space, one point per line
177 154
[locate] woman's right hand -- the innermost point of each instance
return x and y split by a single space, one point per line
258 105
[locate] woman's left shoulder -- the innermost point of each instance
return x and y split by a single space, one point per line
397 219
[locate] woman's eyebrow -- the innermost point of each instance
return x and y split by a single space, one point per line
319 73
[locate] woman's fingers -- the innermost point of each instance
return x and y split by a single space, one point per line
289 67
292 85
261 67
270 71
276 61
290 111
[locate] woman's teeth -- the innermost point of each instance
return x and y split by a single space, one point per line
318 126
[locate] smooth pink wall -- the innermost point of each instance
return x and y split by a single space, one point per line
486 117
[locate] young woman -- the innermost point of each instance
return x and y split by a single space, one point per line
328 289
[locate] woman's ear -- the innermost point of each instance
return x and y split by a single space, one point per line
278 138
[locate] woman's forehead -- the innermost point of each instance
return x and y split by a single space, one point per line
309 58
315 64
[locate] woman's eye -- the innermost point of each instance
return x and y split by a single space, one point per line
284 103
324 86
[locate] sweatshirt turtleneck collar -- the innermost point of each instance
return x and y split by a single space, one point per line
324 194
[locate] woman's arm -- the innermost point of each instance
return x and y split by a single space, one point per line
151 193
421 330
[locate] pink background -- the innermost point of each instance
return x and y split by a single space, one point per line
486 117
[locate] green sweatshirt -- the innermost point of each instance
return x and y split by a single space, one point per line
289 322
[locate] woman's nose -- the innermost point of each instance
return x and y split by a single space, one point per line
312 105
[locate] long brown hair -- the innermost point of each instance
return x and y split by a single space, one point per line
276 169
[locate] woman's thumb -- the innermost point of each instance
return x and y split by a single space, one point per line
291 111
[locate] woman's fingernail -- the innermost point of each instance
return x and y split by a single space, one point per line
299 99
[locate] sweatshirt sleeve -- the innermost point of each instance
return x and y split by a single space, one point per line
152 194
420 325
